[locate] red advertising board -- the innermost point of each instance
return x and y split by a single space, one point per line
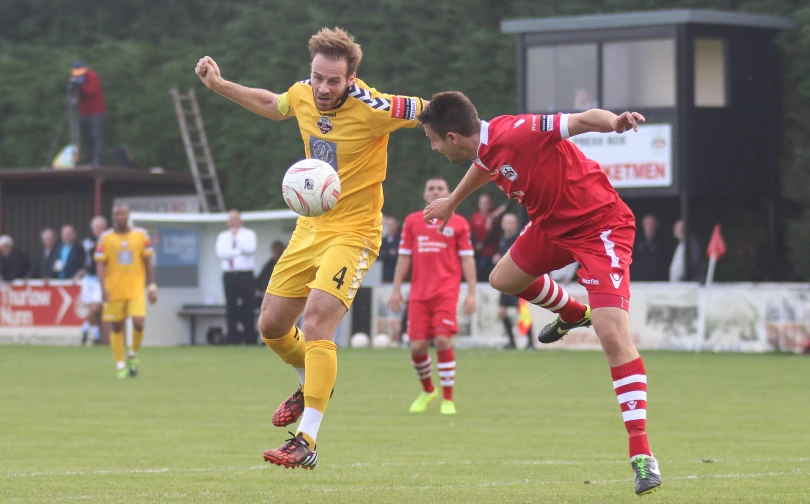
37 304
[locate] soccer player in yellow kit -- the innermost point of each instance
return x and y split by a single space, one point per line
124 266
346 123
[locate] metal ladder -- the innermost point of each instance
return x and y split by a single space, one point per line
198 152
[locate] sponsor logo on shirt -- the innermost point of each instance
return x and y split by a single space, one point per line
323 150
403 108
509 172
324 124
547 123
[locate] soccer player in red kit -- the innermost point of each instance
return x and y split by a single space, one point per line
439 253
575 215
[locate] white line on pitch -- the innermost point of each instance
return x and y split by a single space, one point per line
165 470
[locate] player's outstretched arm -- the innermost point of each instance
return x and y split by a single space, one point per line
258 101
444 208
603 121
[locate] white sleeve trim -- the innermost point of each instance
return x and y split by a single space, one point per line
404 251
466 252
564 125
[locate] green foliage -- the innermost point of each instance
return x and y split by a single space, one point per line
141 48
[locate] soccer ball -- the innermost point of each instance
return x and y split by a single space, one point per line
359 340
381 341
311 187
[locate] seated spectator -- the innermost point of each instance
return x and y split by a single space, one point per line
677 268
650 254
14 265
69 263
45 256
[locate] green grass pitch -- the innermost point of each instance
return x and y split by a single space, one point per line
531 428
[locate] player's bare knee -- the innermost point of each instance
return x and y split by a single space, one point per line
497 280
443 343
272 326
419 347
137 324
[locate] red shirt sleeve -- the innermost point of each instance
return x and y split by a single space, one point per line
463 239
406 239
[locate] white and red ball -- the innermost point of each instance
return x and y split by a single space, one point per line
311 187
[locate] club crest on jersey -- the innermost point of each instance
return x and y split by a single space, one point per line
448 231
509 172
324 124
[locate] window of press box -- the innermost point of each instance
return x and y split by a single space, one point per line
561 78
638 74
710 73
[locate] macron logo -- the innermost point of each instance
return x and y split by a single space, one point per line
616 279
590 281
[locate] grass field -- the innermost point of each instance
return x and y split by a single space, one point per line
532 428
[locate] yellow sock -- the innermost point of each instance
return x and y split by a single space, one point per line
291 347
321 372
117 345
137 339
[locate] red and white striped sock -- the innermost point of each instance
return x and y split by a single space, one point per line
630 384
447 372
546 293
422 363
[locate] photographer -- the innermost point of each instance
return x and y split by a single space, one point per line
84 89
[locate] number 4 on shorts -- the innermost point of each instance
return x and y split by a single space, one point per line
339 276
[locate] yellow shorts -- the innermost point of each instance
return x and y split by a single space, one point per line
330 260
116 311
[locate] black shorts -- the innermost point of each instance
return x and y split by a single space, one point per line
507 300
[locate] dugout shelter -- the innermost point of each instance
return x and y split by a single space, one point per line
32 199
708 83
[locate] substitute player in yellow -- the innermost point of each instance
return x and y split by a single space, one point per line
124 266
346 123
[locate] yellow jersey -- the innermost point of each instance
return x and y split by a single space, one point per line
124 254
353 138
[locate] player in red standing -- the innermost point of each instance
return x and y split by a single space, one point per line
575 215
439 255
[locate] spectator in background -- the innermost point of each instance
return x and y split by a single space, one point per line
70 256
87 84
388 249
677 268
484 228
45 256
510 225
91 287
276 249
650 255
14 265
235 249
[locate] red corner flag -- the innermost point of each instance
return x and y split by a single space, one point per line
717 247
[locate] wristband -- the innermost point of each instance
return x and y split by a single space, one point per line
153 287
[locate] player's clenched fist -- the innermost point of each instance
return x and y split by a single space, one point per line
208 72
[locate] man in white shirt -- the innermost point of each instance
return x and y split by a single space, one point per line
235 249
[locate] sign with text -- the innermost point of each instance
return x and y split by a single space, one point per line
175 247
41 313
632 159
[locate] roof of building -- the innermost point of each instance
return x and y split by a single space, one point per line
647 18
